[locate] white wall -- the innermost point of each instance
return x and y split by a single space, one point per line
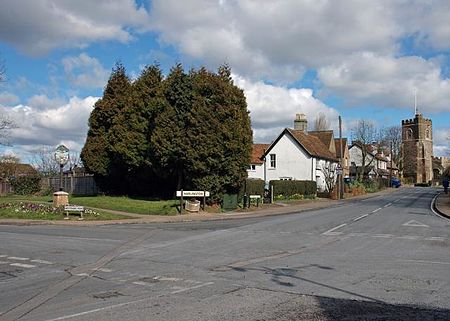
257 173
291 161
356 157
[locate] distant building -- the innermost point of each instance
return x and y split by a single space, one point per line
417 149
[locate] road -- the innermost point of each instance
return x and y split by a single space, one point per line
382 258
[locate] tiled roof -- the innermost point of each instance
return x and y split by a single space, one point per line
325 136
337 142
312 144
258 152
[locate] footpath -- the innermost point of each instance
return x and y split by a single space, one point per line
442 206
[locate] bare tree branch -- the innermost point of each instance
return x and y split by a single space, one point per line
44 161
363 135
6 125
321 122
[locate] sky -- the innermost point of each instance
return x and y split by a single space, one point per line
360 59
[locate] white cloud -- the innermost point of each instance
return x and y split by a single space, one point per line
275 40
37 26
85 71
66 123
367 78
441 141
273 108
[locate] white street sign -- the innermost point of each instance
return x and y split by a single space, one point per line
193 193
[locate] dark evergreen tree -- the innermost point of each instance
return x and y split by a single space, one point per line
98 154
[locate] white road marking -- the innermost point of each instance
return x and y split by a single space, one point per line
4 262
15 258
428 262
334 233
408 237
104 270
82 274
163 278
26 266
378 209
383 235
388 204
414 223
435 238
42 262
357 234
334 228
192 288
141 283
3 255
358 218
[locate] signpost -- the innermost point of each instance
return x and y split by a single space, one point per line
62 157
182 194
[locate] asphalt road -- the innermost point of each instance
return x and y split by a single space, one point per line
382 258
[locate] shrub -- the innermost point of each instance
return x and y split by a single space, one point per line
251 187
291 188
26 185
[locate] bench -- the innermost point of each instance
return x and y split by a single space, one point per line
74 209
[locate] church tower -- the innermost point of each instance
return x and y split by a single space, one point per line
417 149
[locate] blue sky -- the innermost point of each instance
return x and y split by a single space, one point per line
358 59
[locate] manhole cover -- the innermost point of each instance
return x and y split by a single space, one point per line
106 295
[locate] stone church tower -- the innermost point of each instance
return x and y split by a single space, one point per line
417 149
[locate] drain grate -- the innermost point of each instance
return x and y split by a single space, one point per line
107 295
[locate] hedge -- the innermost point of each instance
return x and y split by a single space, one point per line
289 188
251 187
26 185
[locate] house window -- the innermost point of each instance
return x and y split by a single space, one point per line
252 167
273 160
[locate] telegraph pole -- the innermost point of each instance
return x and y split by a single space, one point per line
341 162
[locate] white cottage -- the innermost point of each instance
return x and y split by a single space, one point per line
295 155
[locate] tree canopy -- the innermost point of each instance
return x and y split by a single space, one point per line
156 134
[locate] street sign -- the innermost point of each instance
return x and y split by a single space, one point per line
193 193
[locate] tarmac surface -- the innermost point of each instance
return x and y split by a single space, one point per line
441 206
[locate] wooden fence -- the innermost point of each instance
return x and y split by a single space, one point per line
83 185
5 188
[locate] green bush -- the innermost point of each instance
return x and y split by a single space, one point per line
251 187
291 188
26 185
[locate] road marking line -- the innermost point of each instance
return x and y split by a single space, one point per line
42 262
3 255
428 262
334 228
106 270
163 278
141 283
357 234
408 237
415 223
192 288
358 218
383 235
389 204
26 266
15 258
435 238
82 274
378 209
4 262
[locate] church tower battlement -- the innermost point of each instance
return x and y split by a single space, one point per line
417 149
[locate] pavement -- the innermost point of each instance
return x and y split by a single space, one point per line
442 206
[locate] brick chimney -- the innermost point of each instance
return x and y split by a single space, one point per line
300 123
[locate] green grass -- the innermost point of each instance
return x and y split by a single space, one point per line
116 203
43 211
126 204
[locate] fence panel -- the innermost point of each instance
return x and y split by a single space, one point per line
83 185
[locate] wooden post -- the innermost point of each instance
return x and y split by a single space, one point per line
271 194
204 200
181 202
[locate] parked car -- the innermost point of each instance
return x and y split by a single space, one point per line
395 182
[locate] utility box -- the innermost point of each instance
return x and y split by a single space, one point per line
60 198
230 202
